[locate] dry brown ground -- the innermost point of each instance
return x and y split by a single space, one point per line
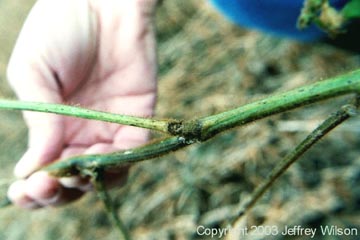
207 65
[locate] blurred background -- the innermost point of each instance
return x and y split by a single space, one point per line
208 65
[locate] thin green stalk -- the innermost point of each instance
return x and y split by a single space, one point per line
330 123
104 196
343 84
66 110
5 202
205 128
84 163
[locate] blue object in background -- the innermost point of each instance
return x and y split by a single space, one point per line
278 17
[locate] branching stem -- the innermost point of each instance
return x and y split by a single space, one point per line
84 164
330 123
186 132
207 127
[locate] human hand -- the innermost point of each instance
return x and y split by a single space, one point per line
92 53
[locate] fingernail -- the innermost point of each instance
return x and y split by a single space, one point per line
72 182
76 182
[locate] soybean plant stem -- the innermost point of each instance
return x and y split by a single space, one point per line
73 111
343 84
5 202
104 196
84 164
186 132
205 128
330 123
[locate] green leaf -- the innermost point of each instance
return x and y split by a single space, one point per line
352 9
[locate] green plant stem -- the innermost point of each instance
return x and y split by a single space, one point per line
188 131
5 202
343 84
84 163
104 196
330 123
205 128
66 110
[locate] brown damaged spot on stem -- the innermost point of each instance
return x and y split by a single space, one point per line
191 130
175 127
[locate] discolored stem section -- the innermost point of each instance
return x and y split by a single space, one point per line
66 110
330 123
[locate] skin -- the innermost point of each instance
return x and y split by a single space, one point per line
93 53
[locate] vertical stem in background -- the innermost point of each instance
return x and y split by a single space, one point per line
104 196
5 202
330 123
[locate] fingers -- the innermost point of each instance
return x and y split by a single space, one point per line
40 190
17 195
114 177
74 181
130 137
45 132
32 80
44 145
45 139
49 62
48 193
35 82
